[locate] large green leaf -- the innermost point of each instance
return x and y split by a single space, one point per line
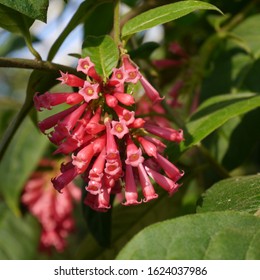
213 113
240 194
14 21
19 236
127 221
19 161
214 235
103 52
36 9
162 15
26 144
102 15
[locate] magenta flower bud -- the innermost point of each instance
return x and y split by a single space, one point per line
98 166
169 185
99 144
150 91
149 147
70 120
94 127
53 120
147 187
70 80
89 91
137 123
83 158
170 169
111 101
131 194
47 100
74 98
125 98
164 132
64 179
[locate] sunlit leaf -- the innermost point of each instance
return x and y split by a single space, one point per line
103 52
216 235
240 194
162 15
36 9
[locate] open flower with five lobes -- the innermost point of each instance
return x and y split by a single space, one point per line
112 148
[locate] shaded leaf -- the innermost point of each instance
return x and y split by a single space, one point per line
19 236
240 194
216 235
163 14
213 113
36 9
102 16
14 21
19 161
243 140
127 221
103 52
248 32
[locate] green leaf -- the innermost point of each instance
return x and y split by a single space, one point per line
247 31
103 52
84 11
240 148
14 21
127 221
213 113
214 235
36 9
239 194
8 108
26 144
19 236
19 161
163 14
102 15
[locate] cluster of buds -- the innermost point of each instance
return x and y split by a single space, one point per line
52 211
111 148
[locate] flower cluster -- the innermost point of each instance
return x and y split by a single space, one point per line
52 211
111 148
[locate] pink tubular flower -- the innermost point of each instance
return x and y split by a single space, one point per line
53 210
119 129
165 132
89 91
70 80
169 185
147 187
110 148
134 154
151 92
131 194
